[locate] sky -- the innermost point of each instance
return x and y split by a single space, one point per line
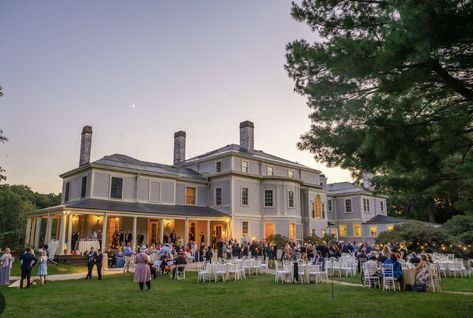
198 66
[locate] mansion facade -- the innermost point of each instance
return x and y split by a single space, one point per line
232 192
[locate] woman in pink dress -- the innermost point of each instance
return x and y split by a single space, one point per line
142 270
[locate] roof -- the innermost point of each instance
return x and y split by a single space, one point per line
384 219
255 153
123 161
344 187
147 208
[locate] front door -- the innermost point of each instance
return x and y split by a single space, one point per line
218 231
153 231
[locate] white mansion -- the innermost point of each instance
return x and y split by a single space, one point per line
231 192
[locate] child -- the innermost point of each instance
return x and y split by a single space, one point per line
43 267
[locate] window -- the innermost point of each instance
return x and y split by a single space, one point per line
366 205
313 231
83 188
318 207
343 230
291 199
269 230
373 231
190 195
323 211
348 206
218 166
244 228
329 205
292 231
268 197
218 196
356 229
290 173
269 171
116 188
66 191
244 166
382 205
390 228
244 196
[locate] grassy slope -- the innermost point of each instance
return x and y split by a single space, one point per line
116 296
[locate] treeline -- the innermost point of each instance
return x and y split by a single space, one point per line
16 201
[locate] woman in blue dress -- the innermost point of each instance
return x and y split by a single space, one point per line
43 267
120 258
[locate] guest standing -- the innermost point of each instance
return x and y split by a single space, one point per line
90 262
99 238
98 263
28 260
142 271
5 263
128 253
43 267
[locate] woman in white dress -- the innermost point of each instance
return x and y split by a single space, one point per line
5 264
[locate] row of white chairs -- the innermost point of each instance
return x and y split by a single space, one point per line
285 273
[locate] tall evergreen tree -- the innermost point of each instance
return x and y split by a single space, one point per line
391 88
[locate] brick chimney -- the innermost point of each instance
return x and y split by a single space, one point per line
179 147
367 176
247 136
85 145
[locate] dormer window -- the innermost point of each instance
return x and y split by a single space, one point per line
218 166
269 171
116 188
290 173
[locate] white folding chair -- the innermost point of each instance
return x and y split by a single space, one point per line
220 271
389 280
203 273
181 272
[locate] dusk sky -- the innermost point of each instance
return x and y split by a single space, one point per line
198 66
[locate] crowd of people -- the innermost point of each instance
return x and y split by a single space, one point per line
165 257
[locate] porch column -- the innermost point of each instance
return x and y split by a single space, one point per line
161 231
62 234
28 230
104 231
32 232
47 235
134 234
69 233
208 232
36 234
186 232
229 230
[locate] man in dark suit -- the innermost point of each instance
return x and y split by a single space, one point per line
28 260
98 263
202 238
121 238
236 250
90 262
319 260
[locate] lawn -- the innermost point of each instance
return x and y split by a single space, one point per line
116 296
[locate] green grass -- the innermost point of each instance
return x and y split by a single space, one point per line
117 296
52 269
